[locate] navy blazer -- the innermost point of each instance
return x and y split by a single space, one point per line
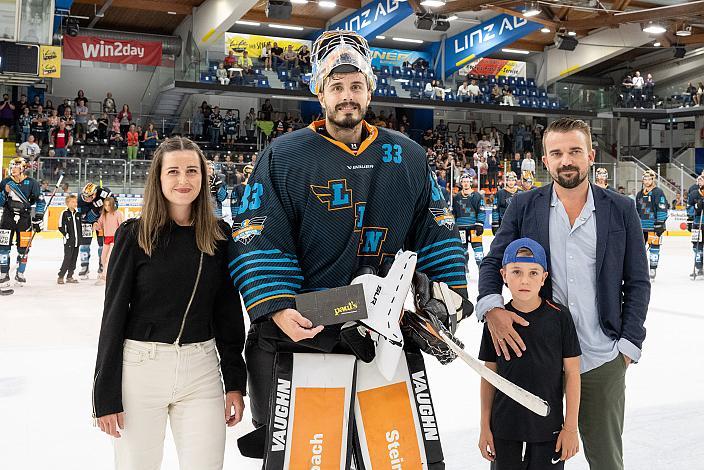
623 284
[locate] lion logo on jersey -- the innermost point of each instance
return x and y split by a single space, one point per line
248 229
443 217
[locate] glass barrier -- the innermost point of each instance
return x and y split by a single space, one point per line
49 169
107 172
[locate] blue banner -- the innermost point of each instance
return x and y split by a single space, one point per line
396 57
485 38
372 19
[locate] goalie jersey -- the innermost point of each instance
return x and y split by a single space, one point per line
315 210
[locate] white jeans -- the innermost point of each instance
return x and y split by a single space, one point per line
183 383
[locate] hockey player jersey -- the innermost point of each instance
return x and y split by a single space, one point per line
90 211
218 193
468 210
315 210
652 207
695 200
21 197
503 199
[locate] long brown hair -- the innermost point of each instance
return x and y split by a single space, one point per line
155 212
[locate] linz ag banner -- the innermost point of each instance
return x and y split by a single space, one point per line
373 18
110 50
485 38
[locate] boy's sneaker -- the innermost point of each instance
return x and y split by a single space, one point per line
60 280
70 280
19 278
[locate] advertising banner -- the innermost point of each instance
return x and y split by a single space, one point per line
50 61
396 57
253 43
495 67
374 18
109 50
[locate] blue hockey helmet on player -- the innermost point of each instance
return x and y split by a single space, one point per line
343 52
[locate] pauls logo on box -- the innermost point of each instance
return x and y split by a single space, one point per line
109 50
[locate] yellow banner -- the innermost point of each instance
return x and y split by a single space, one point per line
253 44
50 61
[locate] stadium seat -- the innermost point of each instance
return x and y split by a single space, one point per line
396 71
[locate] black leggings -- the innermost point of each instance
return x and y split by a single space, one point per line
538 456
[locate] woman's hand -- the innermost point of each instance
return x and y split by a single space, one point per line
234 408
112 424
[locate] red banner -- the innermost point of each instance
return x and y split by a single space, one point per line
111 50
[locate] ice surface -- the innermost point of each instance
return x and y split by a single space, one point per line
48 340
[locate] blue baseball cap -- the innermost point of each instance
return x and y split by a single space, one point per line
511 253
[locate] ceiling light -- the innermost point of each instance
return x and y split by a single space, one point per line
452 18
299 2
285 26
684 31
654 28
327 3
171 12
433 3
656 44
515 51
544 29
381 37
531 10
415 41
247 23
572 33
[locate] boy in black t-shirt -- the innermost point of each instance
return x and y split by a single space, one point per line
512 437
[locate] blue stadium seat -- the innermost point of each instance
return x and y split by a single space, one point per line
523 102
512 81
544 103
407 73
543 94
501 81
522 91
385 72
392 91
283 75
396 71
263 83
533 92
521 82
383 81
531 82
431 74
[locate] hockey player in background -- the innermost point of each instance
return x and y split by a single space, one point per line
322 205
601 179
503 199
695 216
18 194
468 209
218 189
652 207
90 206
527 179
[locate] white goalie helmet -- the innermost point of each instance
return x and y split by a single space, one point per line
602 173
340 51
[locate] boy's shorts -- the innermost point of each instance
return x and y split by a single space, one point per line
517 455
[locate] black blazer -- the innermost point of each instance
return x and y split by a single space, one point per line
623 284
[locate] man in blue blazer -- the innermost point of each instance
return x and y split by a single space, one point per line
598 269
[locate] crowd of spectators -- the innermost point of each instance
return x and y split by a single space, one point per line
637 91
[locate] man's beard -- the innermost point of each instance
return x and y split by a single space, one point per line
569 183
348 121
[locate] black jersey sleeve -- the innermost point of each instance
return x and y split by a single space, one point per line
436 240
486 349
570 341
263 264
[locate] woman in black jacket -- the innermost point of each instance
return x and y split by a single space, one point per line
169 312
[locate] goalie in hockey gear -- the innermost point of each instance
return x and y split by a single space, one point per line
652 207
527 180
432 314
601 178
340 51
503 199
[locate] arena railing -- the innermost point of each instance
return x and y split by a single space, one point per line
50 168
111 172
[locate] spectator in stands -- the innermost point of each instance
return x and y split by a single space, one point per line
151 137
677 203
427 139
44 187
277 55
627 89
484 145
508 98
52 122
68 119
48 106
622 190
402 130
473 90
700 92
638 82
246 63
132 143
516 164
29 149
35 104
528 163
221 75
405 122
64 185
538 142
39 125
116 137
527 139
61 139
496 94
438 90
250 122
267 110
109 105
369 116
304 59
265 56
231 124
230 60
205 111
62 107
428 90
92 128
381 119
215 123
20 105
507 143
81 119
463 91
493 171
649 87
441 129
290 57
125 118
80 96
519 137
495 137
25 124
103 125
